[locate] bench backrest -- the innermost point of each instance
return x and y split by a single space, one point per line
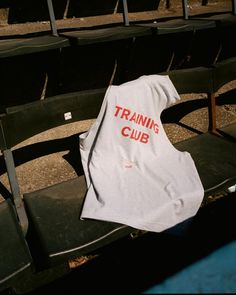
22 122
224 72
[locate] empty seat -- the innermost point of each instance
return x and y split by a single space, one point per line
214 156
54 215
53 212
16 261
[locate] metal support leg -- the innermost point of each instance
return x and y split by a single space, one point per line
125 13
167 4
185 8
212 112
11 172
234 7
52 18
204 2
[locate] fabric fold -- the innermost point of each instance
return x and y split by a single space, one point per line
135 176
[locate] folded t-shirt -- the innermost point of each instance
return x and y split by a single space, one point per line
135 176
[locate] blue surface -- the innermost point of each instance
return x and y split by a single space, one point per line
215 273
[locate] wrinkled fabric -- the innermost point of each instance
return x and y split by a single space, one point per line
135 176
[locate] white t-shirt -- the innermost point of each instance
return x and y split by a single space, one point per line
135 176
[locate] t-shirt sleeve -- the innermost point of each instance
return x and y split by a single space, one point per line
165 90
171 93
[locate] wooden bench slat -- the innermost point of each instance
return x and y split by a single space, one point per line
215 159
180 25
228 131
20 46
83 37
64 236
26 45
222 19
53 212
42 115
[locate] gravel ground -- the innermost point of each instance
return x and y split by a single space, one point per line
175 10
54 168
51 169
48 170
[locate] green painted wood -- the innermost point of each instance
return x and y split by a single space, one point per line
22 122
21 46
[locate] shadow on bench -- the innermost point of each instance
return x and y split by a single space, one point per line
50 221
